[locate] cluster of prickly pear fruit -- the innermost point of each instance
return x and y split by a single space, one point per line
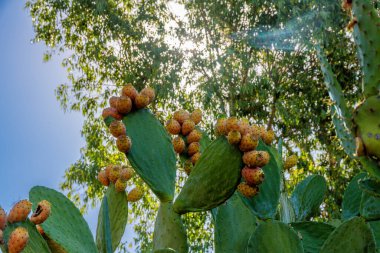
187 143
119 176
290 162
246 136
19 237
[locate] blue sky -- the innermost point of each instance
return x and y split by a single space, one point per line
38 141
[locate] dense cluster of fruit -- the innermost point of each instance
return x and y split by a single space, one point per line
187 143
119 176
129 100
19 237
246 137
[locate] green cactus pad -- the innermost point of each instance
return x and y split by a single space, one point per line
371 166
264 204
370 207
36 242
65 226
274 236
213 180
366 35
375 226
313 234
370 186
352 236
367 121
167 250
152 154
118 217
352 197
308 195
233 214
169 231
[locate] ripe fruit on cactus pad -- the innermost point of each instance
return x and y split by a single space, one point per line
246 190
367 121
196 116
232 124
111 112
126 174
244 126
252 176
129 91
3 219
193 148
149 92
20 211
181 116
42 212
194 158
114 173
124 105
18 240
187 126
123 143
248 142
1 237
221 127
173 126
256 158
234 137
112 101
194 136
135 194
178 145
117 128
268 137
141 101
120 185
102 177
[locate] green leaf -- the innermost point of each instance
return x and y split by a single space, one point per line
313 234
233 214
213 179
375 226
264 204
370 186
352 236
352 197
65 226
169 231
36 242
274 236
152 154
117 216
308 196
370 207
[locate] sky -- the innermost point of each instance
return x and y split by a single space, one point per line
38 141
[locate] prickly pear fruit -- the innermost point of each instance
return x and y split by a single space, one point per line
117 128
42 212
196 116
194 136
129 91
111 112
173 126
221 127
252 176
248 142
359 151
193 148
120 185
20 211
113 101
234 137
3 219
194 158
126 173
18 240
123 143
244 126
1 237
141 101
114 173
255 130
290 162
256 158
187 126
178 145
108 170
232 124
149 92
124 105
135 194
102 177
246 190
268 137
181 116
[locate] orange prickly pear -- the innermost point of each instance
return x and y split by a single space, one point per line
42 212
20 211
173 126
196 116
18 240
149 92
130 91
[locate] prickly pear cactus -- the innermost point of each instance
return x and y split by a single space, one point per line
117 206
274 236
375 226
264 204
354 235
307 196
36 242
352 198
65 226
370 207
169 231
370 186
233 214
313 234
213 179
152 154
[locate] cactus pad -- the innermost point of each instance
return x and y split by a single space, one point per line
65 226
352 197
370 186
370 207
